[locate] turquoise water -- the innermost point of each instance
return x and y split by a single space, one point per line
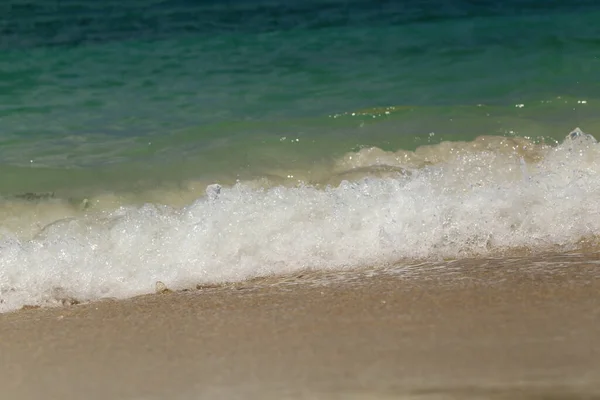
197 142
131 94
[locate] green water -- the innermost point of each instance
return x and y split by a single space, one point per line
129 95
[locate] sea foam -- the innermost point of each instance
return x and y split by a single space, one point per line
469 200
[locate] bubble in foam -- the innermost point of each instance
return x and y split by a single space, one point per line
578 133
213 191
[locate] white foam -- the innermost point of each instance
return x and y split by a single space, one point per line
472 202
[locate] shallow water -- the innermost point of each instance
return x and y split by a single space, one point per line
206 142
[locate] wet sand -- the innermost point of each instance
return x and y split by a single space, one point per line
477 333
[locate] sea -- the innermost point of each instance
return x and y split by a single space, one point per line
161 144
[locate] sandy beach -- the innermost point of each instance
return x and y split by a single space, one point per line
476 333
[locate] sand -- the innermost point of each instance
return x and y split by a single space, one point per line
482 331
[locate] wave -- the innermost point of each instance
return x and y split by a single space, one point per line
449 200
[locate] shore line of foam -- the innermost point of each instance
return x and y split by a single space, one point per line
479 330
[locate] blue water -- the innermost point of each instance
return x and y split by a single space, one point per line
193 142
92 94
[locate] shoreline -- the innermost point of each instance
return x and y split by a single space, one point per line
475 333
